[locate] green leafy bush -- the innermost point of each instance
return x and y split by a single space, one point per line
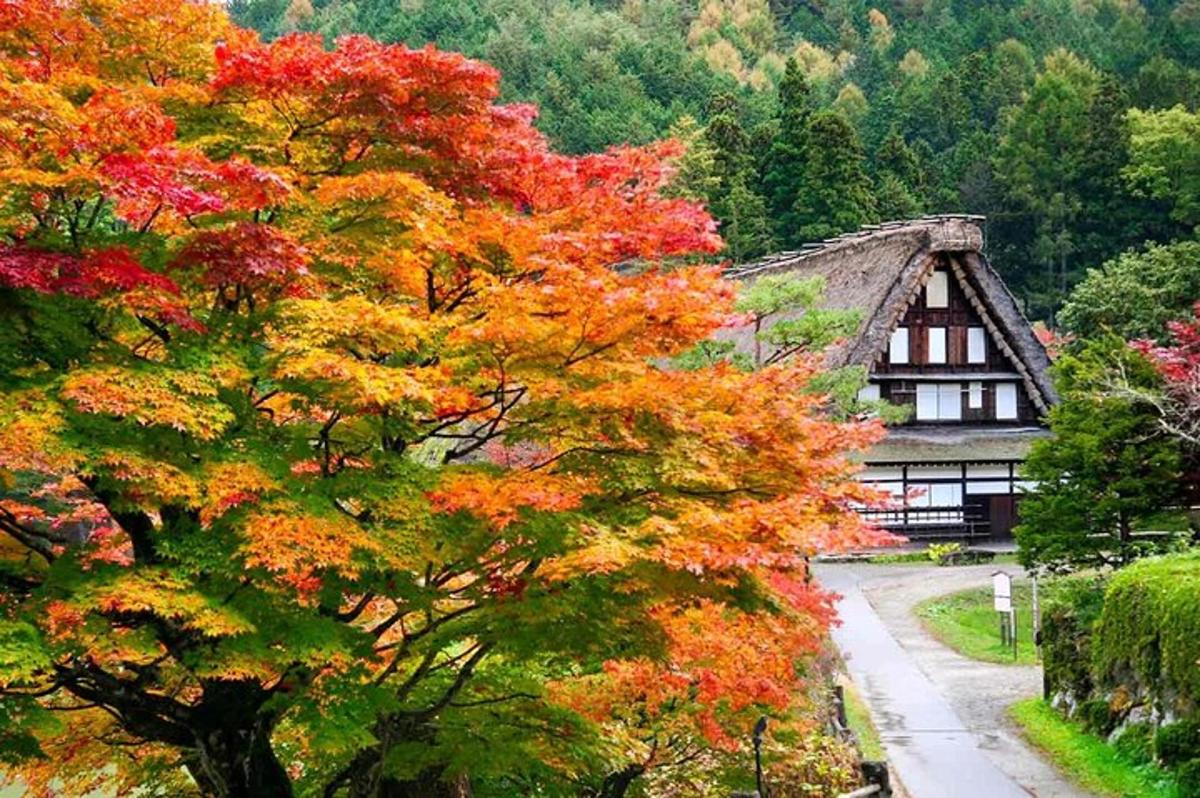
1071 608
818 766
1187 779
944 553
1148 636
1136 743
1179 742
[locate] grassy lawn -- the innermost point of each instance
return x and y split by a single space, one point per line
966 622
1088 760
858 718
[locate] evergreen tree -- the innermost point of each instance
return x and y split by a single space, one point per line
898 179
1107 469
745 225
1039 163
735 201
787 158
834 195
1110 215
696 175
727 139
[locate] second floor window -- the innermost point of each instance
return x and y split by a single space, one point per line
937 344
898 348
976 345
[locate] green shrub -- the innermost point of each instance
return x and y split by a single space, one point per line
1179 742
1136 743
1187 779
1148 635
817 766
1070 609
944 553
1097 717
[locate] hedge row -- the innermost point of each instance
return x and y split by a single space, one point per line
1147 639
1123 656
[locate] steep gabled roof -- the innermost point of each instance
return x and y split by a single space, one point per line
879 271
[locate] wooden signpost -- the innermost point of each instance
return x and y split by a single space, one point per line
1002 600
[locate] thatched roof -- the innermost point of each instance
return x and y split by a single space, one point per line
880 269
954 445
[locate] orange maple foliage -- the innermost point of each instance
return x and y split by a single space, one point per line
339 420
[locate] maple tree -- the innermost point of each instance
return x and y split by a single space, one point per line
1177 405
336 457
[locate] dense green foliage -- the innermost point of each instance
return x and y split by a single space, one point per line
1148 636
1107 471
1017 110
1188 778
1068 614
1178 742
1120 654
1135 294
1136 743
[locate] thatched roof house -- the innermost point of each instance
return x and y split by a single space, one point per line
941 333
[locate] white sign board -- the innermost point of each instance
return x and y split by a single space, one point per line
1002 591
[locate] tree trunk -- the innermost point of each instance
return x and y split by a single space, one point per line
1126 532
234 756
240 763
365 777
617 784
429 784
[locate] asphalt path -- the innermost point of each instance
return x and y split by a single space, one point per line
941 716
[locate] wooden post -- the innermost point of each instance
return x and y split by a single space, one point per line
1037 619
1012 615
839 703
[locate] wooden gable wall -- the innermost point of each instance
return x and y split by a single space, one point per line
956 318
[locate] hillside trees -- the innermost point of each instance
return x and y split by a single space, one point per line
735 198
1038 161
1136 294
899 183
956 81
1165 162
336 457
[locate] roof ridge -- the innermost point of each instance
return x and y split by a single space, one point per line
864 232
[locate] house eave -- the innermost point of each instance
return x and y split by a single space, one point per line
954 444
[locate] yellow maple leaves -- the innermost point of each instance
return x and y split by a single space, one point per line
182 400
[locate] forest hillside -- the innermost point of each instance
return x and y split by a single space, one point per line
1019 109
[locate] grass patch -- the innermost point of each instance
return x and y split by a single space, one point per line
966 622
858 718
901 557
1088 761
921 557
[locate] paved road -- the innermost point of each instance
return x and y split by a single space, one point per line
941 716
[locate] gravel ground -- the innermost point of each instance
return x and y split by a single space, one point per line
978 692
